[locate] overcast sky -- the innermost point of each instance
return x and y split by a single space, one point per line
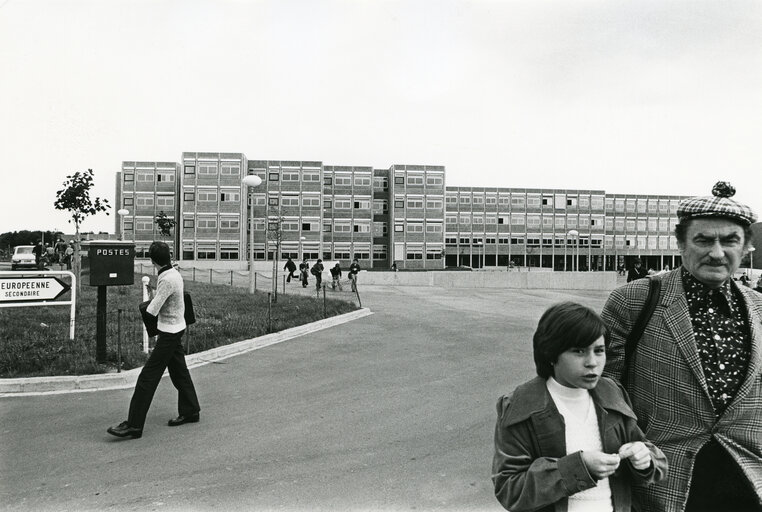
626 96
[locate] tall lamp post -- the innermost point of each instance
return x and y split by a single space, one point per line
122 212
575 261
251 181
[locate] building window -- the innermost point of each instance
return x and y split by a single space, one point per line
229 224
129 177
362 181
273 176
327 204
128 225
362 228
342 204
381 183
434 228
343 181
433 204
290 176
188 224
189 196
414 254
399 204
165 201
415 203
415 227
207 169
207 223
165 177
306 226
272 201
290 200
207 196
128 201
230 169
362 205
145 177
228 253
310 176
189 169
434 181
399 180
399 227
326 227
143 201
206 253
327 180
414 180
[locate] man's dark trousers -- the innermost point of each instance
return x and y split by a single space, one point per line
168 353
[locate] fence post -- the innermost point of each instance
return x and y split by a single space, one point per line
357 292
255 279
118 341
269 309
210 276
323 300
194 274
284 285
231 278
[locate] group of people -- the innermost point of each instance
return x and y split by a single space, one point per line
60 252
662 418
317 271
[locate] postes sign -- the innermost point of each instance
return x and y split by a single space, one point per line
31 289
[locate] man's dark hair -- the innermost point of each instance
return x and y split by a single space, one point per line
681 228
160 254
563 326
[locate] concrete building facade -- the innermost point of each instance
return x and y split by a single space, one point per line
404 215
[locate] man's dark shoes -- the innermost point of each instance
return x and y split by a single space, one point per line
124 430
181 420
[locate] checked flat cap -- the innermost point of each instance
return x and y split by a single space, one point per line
719 204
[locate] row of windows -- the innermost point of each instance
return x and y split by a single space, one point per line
562 201
150 177
207 169
640 242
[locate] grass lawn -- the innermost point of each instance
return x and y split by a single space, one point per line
34 341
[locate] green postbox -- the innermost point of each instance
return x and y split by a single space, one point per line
106 263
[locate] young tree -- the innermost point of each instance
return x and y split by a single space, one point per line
275 236
75 199
165 224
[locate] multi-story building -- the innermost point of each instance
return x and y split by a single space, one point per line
404 215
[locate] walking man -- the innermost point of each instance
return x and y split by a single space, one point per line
291 267
637 271
317 271
695 375
354 269
304 268
169 305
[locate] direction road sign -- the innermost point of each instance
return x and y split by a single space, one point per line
31 289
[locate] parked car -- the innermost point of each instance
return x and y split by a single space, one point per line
23 257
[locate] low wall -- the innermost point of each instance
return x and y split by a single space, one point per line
523 280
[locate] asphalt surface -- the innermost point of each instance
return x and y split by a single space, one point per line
394 411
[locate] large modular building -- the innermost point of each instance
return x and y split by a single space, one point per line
404 215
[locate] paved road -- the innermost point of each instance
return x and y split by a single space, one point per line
394 411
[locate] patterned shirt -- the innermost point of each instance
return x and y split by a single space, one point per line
722 337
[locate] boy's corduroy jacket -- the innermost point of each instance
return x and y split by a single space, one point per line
530 468
669 392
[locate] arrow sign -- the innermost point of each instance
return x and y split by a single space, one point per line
26 289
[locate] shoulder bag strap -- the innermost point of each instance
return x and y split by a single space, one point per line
654 290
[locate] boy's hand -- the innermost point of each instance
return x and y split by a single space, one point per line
600 465
639 456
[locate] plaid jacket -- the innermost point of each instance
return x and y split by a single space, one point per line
669 392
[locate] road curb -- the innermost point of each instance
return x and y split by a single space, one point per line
29 386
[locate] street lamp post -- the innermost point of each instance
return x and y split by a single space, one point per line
122 212
575 261
751 261
251 181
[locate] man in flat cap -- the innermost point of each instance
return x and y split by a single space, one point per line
695 376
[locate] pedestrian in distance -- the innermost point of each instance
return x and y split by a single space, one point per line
568 439
758 288
695 373
336 276
354 269
291 267
304 269
637 271
317 271
38 250
169 306
69 254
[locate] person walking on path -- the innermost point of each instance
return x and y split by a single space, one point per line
169 305
336 276
304 268
291 267
354 269
695 376
637 271
568 439
37 251
317 271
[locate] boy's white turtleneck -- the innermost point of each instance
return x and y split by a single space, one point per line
582 433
